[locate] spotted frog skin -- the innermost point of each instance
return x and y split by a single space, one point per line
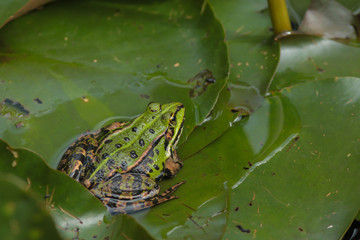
121 164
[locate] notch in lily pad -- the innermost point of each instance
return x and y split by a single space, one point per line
200 82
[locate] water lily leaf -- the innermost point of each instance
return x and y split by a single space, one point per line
307 58
208 222
54 187
297 10
8 8
309 189
258 166
11 9
233 107
253 57
75 211
353 5
22 215
253 53
223 163
73 78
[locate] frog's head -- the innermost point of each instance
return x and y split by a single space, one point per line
172 117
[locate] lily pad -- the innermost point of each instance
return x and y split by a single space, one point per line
210 173
235 104
8 8
297 10
22 216
76 213
260 165
309 58
12 9
53 187
73 78
253 53
309 189
208 222
253 57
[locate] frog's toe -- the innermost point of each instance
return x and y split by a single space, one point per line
171 190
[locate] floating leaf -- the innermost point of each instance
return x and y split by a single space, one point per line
253 53
309 189
308 58
80 78
223 163
22 216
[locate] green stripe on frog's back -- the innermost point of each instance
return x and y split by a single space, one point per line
123 149
108 130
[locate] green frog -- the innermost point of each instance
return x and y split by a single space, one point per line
122 163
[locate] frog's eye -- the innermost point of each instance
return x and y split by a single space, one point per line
154 107
166 118
173 120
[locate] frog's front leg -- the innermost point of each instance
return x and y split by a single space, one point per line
172 165
131 192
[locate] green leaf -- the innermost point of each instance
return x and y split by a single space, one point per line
75 211
11 9
253 57
232 107
260 165
206 223
308 58
253 53
8 8
297 9
221 164
353 5
54 187
22 215
310 189
83 66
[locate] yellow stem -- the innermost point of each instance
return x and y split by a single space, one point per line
279 16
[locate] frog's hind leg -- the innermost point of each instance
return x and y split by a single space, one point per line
131 192
124 207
